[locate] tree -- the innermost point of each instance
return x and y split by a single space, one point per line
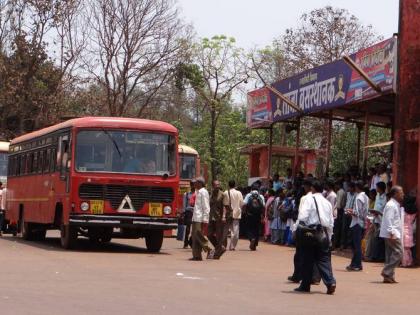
134 45
325 35
33 83
218 68
231 135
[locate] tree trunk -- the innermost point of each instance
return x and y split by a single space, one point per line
213 161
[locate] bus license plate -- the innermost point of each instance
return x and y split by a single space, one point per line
155 209
97 206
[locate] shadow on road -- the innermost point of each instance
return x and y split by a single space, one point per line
83 245
303 293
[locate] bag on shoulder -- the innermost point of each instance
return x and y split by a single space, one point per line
312 235
254 205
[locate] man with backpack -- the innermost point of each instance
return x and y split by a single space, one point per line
253 209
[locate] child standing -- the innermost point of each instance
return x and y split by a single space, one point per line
409 214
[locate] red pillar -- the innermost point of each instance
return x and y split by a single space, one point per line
407 110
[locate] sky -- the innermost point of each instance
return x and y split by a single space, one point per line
255 23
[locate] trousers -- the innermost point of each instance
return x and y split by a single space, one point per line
199 240
319 256
253 225
187 221
298 267
356 235
234 228
393 256
217 235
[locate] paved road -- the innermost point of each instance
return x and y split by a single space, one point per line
122 278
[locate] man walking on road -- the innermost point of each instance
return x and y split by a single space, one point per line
188 205
233 199
200 220
358 217
254 206
391 231
316 210
298 258
217 220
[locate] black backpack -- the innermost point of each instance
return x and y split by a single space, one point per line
254 205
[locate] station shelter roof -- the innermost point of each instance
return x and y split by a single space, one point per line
333 90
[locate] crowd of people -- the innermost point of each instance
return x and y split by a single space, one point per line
369 215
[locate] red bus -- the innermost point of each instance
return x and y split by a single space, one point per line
97 177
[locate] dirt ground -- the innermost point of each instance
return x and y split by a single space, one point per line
123 278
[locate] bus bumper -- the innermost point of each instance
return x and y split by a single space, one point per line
155 223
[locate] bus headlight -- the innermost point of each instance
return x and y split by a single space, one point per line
84 206
167 210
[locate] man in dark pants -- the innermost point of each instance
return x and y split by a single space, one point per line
216 223
358 217
188 203
350 204
298 258
315 210
254 205
341 204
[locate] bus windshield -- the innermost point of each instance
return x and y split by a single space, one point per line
129 152
188 166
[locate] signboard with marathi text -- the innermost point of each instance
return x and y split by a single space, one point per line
331 85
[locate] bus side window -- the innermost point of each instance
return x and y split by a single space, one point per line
40 161
17 166
47 159
23 165
35 163
53 157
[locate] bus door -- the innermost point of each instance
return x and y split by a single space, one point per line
60 181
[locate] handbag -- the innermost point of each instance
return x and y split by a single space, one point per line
312 235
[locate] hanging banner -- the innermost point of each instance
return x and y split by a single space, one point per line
329 86
259 109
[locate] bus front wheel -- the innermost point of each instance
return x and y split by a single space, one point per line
68 236
154 240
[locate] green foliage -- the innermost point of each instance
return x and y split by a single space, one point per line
344 147
231 135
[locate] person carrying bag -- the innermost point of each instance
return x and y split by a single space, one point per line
314 231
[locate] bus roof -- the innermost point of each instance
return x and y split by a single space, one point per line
4 146
101 122
182 148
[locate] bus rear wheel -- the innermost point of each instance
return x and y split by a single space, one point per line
68 236
26 230
154 240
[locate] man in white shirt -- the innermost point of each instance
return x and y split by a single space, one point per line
391 231
298 258
358 217
317 210
376 178
200 220
233 202
331 196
